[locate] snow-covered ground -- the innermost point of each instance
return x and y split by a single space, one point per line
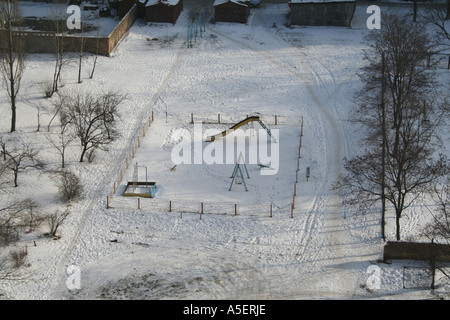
322 251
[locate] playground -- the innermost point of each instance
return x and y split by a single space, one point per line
225 166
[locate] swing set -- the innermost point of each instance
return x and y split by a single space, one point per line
237 175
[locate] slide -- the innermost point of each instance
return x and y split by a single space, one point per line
234 127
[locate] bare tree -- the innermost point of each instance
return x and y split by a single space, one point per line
94 119
58 105
70 187
397 112
20 157
16 217
439 228
64 138
55 220
97 45
12 53
58 25
81 54
438 17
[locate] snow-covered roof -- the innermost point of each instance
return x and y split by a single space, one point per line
219 2
320 1
167 2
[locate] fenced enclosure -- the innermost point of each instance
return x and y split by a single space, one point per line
283 207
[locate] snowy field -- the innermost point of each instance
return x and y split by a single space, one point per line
322 251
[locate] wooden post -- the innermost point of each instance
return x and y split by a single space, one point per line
139 203
235 209
276 119
218 118
433 265
170 205
192 118
302 128
292 211
293 202
271 210
202 208
107 202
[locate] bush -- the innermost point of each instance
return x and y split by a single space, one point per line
19 257
70 188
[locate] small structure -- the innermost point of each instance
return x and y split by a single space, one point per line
138 188
163 10
141 8
322 12
123 7
231 11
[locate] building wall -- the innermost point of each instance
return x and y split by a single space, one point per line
163 13
231 12
323 13
416 251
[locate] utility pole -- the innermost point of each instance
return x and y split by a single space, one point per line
383 147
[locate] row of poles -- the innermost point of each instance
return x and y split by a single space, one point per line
298 170
202 210
196 28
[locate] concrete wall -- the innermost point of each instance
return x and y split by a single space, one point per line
322 13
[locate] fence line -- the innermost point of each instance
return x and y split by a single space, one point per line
199 207
298 169
219 118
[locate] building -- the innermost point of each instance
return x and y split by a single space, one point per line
163 10
231 11
322 12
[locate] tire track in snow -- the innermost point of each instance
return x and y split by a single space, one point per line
96 201
333 153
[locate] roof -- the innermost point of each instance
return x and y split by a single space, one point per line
319 1
219 2
166 2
